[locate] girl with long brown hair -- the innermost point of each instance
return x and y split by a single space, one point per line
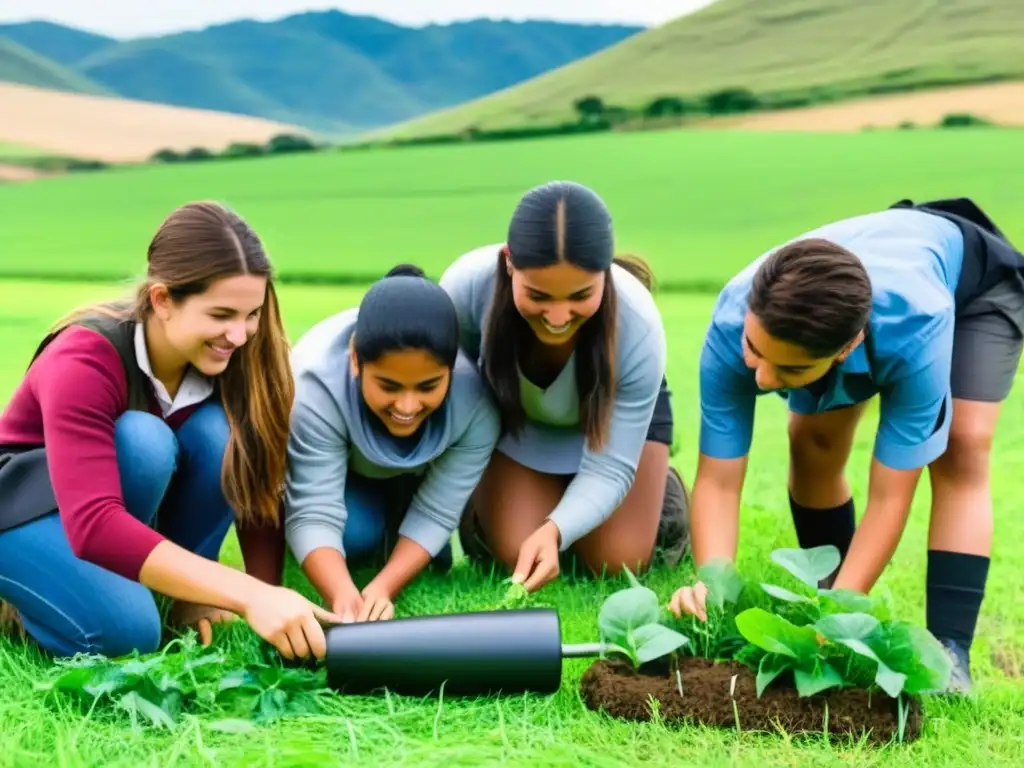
141 431
570 341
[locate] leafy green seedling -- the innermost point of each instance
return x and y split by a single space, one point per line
630 624
788 647
516 595
158 688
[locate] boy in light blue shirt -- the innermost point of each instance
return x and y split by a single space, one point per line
921 305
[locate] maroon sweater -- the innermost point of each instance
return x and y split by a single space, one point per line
69 400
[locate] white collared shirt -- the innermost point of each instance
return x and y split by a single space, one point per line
195 388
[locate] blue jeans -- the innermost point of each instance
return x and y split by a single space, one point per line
366 501
68 605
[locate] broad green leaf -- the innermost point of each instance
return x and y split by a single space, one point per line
724 582
784 594
888 680
272 704
914 652
808 565
653 641
631 577
846 601
232 725
626 610
823 677
132 701
202 661
838 626
776 635
772 665
236 678
108 680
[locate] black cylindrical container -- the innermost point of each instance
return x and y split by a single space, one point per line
475 654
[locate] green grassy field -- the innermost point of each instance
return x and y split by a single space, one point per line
811 49
699 205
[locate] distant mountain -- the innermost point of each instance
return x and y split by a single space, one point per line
785 52
19 64
330 71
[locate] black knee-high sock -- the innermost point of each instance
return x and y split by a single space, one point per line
818 527
955 590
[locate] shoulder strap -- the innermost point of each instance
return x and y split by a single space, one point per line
120 332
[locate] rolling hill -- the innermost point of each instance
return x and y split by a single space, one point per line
116 129
19 64
791 52
329 71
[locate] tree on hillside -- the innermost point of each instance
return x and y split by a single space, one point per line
589 108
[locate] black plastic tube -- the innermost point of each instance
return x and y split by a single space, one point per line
475 654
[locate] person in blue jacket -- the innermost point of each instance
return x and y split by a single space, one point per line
391 430
922 305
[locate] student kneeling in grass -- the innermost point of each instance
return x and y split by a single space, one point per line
141 431
570 341
391 430
922 305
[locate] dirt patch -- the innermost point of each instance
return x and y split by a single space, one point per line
119 130
1001 103
621 691
17 173
1009 661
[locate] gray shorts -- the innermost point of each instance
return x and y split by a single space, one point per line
988 337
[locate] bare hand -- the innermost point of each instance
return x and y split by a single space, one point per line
202 617
377 604
348 604
690 600
538 558
289 622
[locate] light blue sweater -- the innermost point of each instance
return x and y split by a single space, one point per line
332 434
552 441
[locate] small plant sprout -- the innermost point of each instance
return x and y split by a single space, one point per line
630 625
516 595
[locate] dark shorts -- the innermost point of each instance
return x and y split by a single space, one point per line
662 427
988 337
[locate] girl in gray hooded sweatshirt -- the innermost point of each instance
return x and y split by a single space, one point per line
391 430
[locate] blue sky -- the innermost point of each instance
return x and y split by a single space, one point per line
128 18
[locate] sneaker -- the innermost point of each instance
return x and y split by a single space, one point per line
10 621
960 678
673 539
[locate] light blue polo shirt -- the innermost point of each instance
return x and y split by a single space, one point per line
914 260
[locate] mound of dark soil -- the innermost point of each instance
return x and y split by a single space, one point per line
619 690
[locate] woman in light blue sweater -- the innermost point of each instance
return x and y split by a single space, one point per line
391 431
571 343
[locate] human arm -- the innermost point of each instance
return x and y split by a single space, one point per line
438 504
263 549
81 390
727 405
315 512
915 417
605 475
